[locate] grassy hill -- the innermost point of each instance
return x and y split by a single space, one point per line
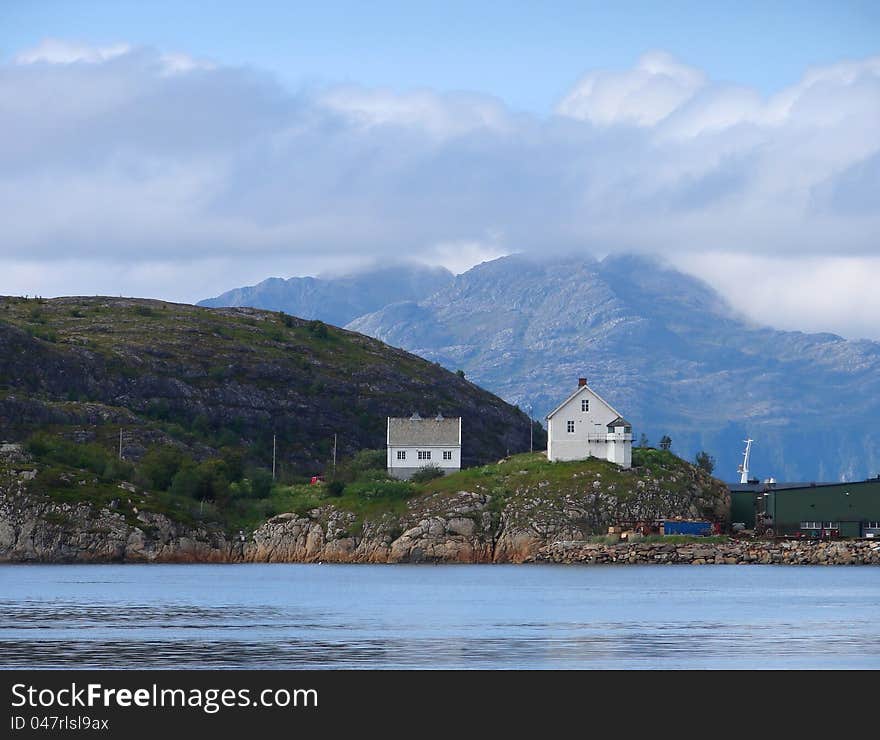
199 393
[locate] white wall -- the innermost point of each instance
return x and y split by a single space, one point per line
590 437
561 445
412 457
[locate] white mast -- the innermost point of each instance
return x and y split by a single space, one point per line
744 468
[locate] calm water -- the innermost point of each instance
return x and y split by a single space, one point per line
338 616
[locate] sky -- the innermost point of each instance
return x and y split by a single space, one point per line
177 150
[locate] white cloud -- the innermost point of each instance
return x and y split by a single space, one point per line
441 115
133 158
60 51
810 294
643 96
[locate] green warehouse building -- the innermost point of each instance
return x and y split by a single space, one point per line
809 509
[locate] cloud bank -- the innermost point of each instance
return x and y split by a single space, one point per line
128 170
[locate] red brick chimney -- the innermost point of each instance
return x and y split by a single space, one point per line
582 382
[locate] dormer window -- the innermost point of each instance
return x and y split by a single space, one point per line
585 404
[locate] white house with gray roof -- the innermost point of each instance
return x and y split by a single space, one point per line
414 442
586 425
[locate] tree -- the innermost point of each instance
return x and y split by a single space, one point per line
643 440
665 442
705 461
459 373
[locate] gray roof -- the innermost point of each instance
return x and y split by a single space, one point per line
428 432
619 422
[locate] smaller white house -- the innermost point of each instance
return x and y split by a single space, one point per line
414 442
586 425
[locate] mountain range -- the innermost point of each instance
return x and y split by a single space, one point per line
662 346
338 300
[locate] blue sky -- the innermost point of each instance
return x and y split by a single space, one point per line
527 53
177 150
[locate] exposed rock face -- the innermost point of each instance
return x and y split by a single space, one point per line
510 523
464 530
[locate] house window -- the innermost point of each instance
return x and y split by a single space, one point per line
424 454
401 454
811 525
447 454
569 426
585 404
628 430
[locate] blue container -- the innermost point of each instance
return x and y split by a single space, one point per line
692 528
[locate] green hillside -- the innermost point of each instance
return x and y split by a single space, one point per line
198 394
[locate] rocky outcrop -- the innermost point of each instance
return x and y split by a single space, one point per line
463 528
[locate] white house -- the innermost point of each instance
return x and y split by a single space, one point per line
586 425
415 442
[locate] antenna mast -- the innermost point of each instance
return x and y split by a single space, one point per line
744 468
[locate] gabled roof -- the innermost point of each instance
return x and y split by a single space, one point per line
437 432
619 422
578 390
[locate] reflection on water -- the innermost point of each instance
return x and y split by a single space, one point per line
300 616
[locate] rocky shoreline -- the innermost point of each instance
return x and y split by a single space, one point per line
734 552
466 532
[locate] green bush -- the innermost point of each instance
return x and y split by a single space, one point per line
427 473
159 465
91 457
189 483
204 481
366 463
318 329
335 488
394 490
261 484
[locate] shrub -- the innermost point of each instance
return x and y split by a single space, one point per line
90 457
318 329
395 490
159 466
704 461
427 473
261 484
335 488
188 483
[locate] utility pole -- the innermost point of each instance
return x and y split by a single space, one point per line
334 453
273 457
120 443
